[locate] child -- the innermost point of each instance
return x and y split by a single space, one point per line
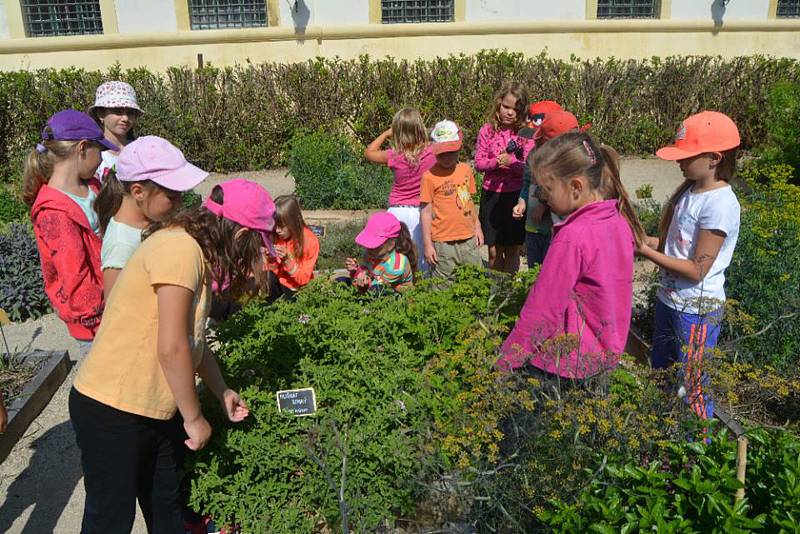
538 110
390 258
150 175
450 227
698 234
65 224
296 250
500 154
116 111
576 318
141 369
409 158
539 221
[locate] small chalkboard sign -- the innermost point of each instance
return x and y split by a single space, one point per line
317 229
297 402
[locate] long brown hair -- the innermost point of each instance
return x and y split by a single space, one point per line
408 134
405 245
289 214
109 199
577 154
96 113
519 92
39 166
233 261
724 171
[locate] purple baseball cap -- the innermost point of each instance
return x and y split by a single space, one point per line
156 159
74 125
380 227
248 204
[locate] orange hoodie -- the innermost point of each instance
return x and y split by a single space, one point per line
293 272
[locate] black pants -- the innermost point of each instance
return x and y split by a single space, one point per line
125 458
278 290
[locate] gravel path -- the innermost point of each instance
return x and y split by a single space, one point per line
41 482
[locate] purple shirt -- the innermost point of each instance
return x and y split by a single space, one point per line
408 177
584 288
492 142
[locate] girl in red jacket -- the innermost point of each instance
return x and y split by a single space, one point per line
296 250
57 188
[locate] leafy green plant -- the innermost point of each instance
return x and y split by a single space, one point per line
11 206
644 191
339 244
22 293
190 199
782 121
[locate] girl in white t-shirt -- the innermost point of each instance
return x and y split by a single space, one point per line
698 234
150 176
116 111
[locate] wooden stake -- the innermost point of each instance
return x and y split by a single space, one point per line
741 464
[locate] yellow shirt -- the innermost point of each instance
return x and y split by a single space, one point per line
122 370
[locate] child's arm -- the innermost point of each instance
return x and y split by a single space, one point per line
109 279
174 355
232 404
522 202
484 159
374 153
478 232
694 269
426 220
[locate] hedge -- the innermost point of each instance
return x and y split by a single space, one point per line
240 118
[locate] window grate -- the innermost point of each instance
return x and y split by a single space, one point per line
788 8
409 11
627 9
219 14
61 17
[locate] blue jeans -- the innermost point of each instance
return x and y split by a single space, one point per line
685 338
536 245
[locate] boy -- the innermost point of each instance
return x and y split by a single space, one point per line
451 231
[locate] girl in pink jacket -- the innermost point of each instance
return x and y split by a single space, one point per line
576 318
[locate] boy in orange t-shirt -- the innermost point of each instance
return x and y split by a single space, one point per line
451 231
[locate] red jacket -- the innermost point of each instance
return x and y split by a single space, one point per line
70 254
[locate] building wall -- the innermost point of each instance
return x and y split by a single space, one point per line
156 34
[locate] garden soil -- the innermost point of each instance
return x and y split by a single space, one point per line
40 481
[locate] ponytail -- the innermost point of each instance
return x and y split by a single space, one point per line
39 166
612 188
109 199
405 245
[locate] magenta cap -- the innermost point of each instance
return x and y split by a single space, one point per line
247 204
380 227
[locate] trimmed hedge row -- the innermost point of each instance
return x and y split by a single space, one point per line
239 118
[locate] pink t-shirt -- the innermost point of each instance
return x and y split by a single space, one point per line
408 177
492 142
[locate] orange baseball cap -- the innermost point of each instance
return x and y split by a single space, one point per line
556 123
707 131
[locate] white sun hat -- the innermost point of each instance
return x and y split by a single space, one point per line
115 94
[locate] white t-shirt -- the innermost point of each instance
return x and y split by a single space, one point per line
119 243
87 206
717 209
109 160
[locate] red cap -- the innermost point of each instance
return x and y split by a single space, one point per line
543 107
556 123
707 131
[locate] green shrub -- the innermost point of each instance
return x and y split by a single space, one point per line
330 172
22 293
339 244
240 118
782 121
11 206
190 199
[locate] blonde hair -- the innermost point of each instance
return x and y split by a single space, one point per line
577 154
408 134
518 91
39 166
724 171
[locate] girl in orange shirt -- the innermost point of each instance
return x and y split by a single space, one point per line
296 250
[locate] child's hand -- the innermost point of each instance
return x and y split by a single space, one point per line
234 406
503 160
478 237
351 264
199 432
518 211
361 280
430 255
280 251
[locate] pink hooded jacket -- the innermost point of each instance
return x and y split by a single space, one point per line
584 290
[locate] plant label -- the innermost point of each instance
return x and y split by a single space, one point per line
317 229
297 402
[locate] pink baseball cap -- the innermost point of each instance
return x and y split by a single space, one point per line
248 204
380 227
156 159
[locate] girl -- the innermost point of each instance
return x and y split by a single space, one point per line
390 257
150 176
296 250
65 224
141 369
409 158
500 154
576 318
116 111
698 234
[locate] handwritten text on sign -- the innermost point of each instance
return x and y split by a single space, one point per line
297 401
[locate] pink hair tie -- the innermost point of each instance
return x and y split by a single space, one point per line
590 152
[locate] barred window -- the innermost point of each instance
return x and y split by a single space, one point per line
628 9
46 18
788 8
218 14
405 11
